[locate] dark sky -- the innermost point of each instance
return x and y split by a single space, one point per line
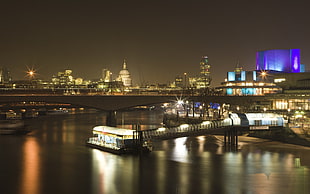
159 39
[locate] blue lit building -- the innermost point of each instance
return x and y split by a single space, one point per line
280 60
244 83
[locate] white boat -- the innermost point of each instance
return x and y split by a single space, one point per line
8 127
117 140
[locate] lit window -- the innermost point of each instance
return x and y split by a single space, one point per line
279 80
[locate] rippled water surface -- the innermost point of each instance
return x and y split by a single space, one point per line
53 158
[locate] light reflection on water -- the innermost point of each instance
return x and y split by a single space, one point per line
31 169
54 159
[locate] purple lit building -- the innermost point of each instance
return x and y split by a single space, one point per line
282 60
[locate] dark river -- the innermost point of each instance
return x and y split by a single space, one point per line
53 158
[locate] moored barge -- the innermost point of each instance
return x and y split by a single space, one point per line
118 140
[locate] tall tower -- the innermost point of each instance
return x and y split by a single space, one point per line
204 78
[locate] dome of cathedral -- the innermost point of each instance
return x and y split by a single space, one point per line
124 75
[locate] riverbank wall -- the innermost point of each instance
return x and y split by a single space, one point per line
285 135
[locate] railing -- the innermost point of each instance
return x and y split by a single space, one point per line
183 130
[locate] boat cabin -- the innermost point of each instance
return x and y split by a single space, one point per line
112 137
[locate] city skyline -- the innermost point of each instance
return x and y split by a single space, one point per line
159 39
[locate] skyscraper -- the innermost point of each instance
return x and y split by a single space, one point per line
204 78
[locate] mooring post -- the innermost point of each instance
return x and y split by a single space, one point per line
233 136
236 137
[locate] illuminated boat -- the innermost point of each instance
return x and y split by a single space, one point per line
8 127
118 141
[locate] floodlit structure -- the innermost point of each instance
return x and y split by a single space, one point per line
124 76
281 60
241 83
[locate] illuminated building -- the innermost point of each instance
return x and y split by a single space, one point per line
284 65
204 78
178 81
5 75
241 82
64 79
281 60
124 76
106 75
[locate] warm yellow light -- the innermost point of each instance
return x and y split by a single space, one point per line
184 126
161 129
31 72
263 74
206 123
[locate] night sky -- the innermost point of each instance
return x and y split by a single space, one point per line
159 39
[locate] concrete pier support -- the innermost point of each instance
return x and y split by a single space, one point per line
111 118
231 137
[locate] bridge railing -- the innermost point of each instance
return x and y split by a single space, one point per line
183 130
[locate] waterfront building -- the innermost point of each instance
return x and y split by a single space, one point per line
283 65
124 76
240 82
292 80
279 60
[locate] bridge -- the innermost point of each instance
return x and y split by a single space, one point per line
214 127
118 102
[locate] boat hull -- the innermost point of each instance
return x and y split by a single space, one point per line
133 150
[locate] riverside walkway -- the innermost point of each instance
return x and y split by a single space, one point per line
206 127
219 127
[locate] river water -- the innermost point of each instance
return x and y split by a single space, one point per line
53 158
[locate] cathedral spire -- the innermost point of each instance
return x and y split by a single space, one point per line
124 64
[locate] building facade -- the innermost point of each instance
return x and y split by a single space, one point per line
281 60
243 83
63 79
204 78
5 76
